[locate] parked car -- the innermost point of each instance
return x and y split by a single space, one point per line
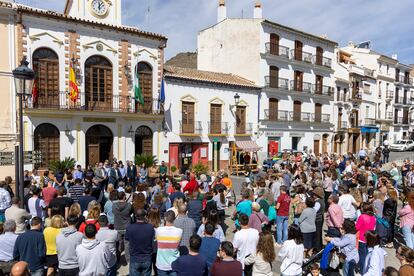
402 145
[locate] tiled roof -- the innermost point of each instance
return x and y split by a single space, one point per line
57 15
207 76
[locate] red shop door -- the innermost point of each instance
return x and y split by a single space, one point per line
273 147
200 153
174 149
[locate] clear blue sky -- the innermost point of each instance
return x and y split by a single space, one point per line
389 24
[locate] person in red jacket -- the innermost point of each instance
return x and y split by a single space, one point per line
192 185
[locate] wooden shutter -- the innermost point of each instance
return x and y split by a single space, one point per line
298 81
99 88
47 82
145 82
298 50
316 146
274 44
215 118
297 110
273 109
241 120
273 77
319 84
319 55
188 117
318 112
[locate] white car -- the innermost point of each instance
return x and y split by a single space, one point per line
402 145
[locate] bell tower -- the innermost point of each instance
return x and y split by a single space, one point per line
105 11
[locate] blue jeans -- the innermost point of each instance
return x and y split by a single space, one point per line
349 268
282 228
362 251
112 270
38 272
140 269
408 236
166 273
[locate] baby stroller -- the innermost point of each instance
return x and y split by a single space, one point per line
329 267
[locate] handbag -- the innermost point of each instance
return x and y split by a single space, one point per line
334 263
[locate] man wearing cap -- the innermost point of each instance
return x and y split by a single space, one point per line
319 195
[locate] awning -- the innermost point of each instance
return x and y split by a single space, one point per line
369 129
248 145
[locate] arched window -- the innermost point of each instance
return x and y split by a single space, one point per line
98 83
273 77
46 66
274 44
46 140
144 71
143 140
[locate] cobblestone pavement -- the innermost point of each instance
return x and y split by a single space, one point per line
390 260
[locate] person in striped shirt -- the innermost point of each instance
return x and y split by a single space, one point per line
168 240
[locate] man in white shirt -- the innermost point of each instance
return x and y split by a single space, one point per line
7 241
348 203
245 242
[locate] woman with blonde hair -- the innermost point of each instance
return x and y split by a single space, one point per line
264 256
50 234
94 211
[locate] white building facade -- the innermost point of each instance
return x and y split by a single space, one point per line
105 121
205 114
294 68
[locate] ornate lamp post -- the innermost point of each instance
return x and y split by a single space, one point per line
23 82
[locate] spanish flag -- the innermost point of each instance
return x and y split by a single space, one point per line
73 87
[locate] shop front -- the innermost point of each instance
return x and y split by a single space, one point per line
185 155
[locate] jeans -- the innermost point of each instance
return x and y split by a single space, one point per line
166 273
140 269
39 272
408 236
349 268
282 228
112 270
362 251
68 272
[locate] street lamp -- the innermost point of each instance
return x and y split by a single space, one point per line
23 82
236 99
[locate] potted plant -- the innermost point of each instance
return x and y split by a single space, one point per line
61 165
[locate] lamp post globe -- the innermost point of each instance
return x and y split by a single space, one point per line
23 78
237 99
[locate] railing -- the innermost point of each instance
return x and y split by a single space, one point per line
301 86
356 96
218 128
191 128
367 122
389 94
279 115
400 78
277 50
94 102
324 90
301 56
398 120
326 118
388 116
320 118
353 123
403 100
246 130
322 61
368 72
343 124
275 82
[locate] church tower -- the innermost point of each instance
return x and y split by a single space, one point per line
104 11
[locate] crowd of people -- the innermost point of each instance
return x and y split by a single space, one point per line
322 215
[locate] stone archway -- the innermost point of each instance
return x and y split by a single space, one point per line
143 140
47 141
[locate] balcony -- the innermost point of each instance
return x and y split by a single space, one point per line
243 130
322 61
389 95
402 101
324 90
218 129
193 128
369 72
306 87
278 83
302 56
276 115
342 125
368 122
94 102
274 49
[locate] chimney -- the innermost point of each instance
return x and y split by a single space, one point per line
221 11
257 11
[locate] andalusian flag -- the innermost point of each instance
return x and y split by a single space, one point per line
73 87
137 90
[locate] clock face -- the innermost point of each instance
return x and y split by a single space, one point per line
99 7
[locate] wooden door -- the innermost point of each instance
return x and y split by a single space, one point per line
297 110
273 109
215 118
325 143
318 84
318 112
274 77
47 82
298 50
188 117
99 88
298 81
319 56
93 154
274 44
316 146
241 120
145 82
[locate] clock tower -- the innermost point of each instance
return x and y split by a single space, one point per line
105 11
